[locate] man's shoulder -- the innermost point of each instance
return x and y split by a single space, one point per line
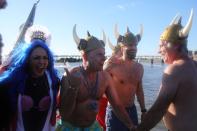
175 67
111 62
105 78
137 64
71 71
105 75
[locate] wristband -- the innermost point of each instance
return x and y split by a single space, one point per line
143 110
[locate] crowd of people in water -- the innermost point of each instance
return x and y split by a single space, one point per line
99 94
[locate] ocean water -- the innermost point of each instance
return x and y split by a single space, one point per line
151 83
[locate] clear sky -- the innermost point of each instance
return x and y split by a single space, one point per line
59 16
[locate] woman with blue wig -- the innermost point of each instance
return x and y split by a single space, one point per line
32 84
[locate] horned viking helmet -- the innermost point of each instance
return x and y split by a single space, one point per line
90 43
175 33
128 39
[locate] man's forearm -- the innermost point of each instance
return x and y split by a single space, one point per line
141 103
140 97
151 118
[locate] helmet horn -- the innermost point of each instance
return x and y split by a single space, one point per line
174 20
111 46
116 31
104 37
185 31
76 38
141 30
88 33
139 36
128 31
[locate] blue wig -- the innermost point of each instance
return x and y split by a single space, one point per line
15 77
18 68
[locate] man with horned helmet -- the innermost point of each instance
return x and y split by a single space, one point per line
84 86
176 101
127 76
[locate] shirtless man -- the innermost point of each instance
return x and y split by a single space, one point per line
127 76
176 101
83 87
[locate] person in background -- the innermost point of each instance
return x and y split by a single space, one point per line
83 87
176 101
152 61
31 83
3 4
126 75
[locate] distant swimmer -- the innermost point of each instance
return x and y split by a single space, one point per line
152 61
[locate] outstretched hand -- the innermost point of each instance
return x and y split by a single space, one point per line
74 79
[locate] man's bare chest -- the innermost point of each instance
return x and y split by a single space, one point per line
91 89
124 74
